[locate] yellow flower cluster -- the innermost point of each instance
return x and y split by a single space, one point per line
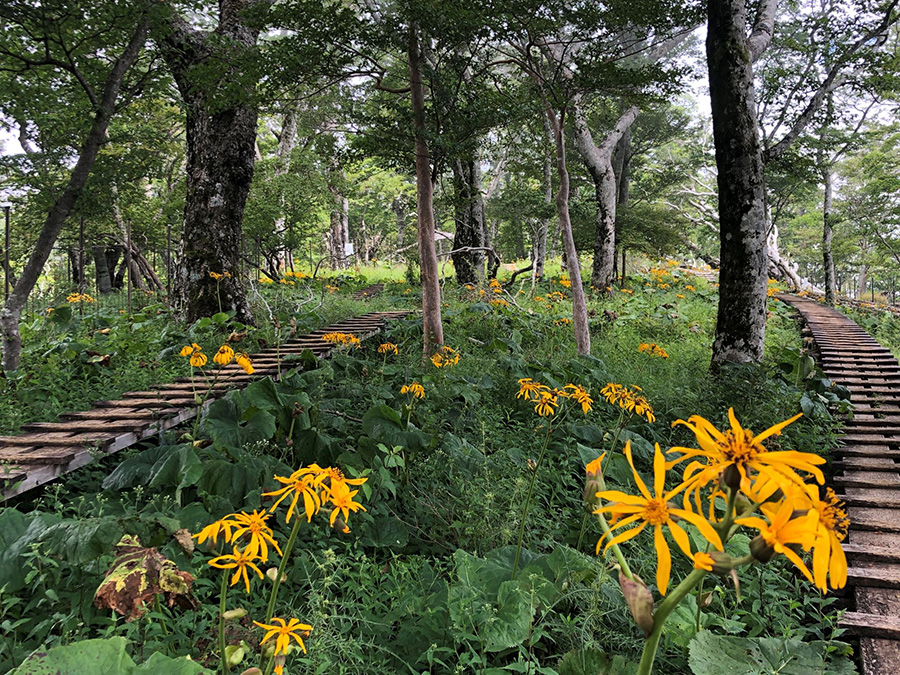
628 398
495 286
331 289
564 281
547 400
342 339
296 275
413 389
318 487
223 357
563 321
653 349
499 302
219 277
446 357
388 348
794 514
265 280
195 353
73 298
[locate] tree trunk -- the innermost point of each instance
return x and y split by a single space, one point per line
741 320
598 160
579 305
468 209
56 218
104 280
827 234
221 136
431 292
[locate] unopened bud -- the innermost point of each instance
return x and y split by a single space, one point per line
232 614
591 488
639 599
731 477
760 549
252 671
722 563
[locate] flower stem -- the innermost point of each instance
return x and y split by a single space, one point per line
651 645
223 592
528 501
270 610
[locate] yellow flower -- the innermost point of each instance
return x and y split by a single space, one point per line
306 482
285 631
737 453
546 403
223 526
655 511
529 389
445 357
217 276
829 561
415 389
187 350
593 467
238 561
243 360
580 395
341 498
499 302
782 530
198 359
224 356
336 476
254 525
653 349
703 561
387 348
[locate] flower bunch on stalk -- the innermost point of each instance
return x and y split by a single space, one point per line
341 339
631 399
546 400
74 298
253 542
388 348
653 349
730 481
445 357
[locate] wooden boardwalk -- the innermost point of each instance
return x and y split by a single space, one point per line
48 450
868 476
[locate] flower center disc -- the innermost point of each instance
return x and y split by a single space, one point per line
656 512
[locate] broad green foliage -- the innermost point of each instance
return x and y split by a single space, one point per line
103 657
713 654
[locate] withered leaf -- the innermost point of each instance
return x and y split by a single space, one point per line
137 575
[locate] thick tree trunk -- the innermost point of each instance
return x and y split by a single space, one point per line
598 160
579 305
827 234
741 320
221 136
468 209
56 218
431 291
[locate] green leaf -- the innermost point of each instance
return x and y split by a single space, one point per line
17 531
712 654
510 624
103 657
594 662
385 532
179 469
381 422
230 427
79 541
136 470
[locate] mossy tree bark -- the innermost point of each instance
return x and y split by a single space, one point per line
469 216
214 74
743 275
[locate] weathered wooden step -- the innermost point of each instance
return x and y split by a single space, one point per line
875 576
864 553
871 625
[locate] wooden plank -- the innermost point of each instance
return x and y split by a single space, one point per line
38 455
872 553
871 625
